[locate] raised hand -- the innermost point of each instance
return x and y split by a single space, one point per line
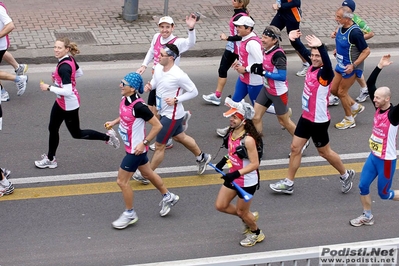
294 34
385 61
313 41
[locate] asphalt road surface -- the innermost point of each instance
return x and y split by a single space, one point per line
63 216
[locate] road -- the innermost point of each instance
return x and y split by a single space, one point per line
63 216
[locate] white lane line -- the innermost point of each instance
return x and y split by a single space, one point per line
168 170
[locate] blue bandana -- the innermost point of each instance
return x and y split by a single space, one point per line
135 80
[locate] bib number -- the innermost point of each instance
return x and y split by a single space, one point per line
158 102
123 133
305 102
266 83
376 145
230 46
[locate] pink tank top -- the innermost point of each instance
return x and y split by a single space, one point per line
274 87
157 48
131 129
243 56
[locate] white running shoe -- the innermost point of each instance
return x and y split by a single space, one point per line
125 220
169 145
302 71
46 163
21 85
364 94
5 97
222 131
211 98
166 204
139 178
21 70
202 164
113 139
333 100
186 117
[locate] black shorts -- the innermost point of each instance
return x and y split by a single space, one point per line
151 101
317 131
2 52
251 190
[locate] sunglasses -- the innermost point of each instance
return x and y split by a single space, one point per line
124 84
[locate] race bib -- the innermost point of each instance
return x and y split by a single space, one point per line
123 133
376 145
305 102
230 46
158 102
266 83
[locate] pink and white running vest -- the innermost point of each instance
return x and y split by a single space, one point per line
243 57
131 129
157 48
247 180
233 46
72 101
315 98
274 87
383 138
7 37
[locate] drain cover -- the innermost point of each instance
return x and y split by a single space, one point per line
85 37
224 11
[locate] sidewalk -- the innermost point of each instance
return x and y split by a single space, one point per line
102 35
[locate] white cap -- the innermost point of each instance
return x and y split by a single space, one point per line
166 19
244 21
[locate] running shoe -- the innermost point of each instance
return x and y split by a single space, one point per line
21 85
364 94
203 163
362 220
348 182
333 100
5 97
169 145
345 123
358 110
282 187
125 220
167 203
139 178
222 131
46 163
252 238
7 190
246 229
211 98
303 148
302 71
6 172
113 139
186 117
21 70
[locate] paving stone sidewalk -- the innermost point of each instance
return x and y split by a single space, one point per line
102 34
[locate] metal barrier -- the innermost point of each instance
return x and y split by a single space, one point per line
303 256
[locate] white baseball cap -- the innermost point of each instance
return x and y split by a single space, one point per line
166 19
244 21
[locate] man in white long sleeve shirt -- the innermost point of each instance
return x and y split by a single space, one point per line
173 86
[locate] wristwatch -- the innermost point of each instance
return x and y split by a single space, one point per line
146 142
48 88
176 100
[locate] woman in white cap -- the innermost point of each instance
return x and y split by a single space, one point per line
133 115
243 158
67 103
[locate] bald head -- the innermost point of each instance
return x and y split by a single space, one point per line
384 92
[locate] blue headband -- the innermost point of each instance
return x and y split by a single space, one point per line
135 81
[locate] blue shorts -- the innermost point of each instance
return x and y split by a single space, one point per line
170 128
131 162
358 72
242 89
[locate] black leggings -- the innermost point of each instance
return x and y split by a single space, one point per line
227 60
71 118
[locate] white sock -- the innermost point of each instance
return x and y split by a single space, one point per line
355 106
288 182
350 118
365 89
345 176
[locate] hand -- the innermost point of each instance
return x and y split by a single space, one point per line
191 20
147 87
313 41
109 124
333 34
223 37
257 69
230 177
44 86
170 101
385 61
221 164
240 69
294 34
349 69
275 7
141 70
